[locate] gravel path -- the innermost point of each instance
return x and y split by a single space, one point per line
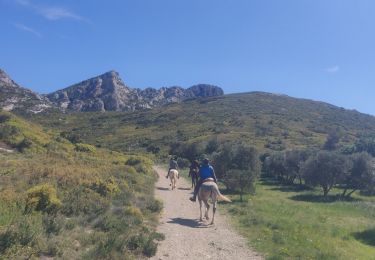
185 236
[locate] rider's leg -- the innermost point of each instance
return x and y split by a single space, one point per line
196 189
168 173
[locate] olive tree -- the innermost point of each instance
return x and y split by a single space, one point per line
239 166
361 175
325 169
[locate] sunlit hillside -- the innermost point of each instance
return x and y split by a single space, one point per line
268 121
65 200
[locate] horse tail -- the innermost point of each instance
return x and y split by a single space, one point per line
219 195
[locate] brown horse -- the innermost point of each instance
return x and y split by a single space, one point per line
209 189
193 173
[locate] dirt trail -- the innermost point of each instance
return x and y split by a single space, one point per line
185 236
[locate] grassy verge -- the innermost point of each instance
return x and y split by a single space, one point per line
284 223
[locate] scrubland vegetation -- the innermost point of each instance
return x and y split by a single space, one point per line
65 200
300 174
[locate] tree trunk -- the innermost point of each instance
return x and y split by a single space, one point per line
350 193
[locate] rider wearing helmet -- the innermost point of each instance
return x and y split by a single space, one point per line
172 165
206 173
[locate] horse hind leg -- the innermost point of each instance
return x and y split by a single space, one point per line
207 209
200 209
213 211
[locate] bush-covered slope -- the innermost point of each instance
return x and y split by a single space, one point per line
267 121
72 201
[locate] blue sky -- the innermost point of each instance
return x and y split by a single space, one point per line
317 49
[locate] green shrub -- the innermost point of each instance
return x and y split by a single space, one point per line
132 161
83 200
105 187
80 147
24 144
23 232
154 205
134 212
8 131
142 243
42 198
4 117
53 224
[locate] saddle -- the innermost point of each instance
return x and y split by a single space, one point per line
208 180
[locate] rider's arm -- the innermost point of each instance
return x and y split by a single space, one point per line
214 175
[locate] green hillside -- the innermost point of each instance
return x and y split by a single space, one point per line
267 121
281 221
72 201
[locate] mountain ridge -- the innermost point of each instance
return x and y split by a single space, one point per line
106 92
13 97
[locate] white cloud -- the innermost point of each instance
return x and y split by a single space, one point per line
52 13
27 29
333 69
57 13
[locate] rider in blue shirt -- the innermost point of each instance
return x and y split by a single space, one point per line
206 171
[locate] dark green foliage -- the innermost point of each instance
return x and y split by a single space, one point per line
212 145
239 167
72 136
367 236
361 175
325 169
365 145
190 151
7 131
274 165
53 224
24 144
4 117
332 141
293 161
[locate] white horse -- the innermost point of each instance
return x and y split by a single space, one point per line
173 175
209 189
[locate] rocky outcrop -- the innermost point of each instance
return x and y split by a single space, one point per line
108 92
16 98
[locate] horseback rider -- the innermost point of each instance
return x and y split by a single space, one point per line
206 173
193 172
172 165
194 167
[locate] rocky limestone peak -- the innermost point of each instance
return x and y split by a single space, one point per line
204 90
4 78
14 97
